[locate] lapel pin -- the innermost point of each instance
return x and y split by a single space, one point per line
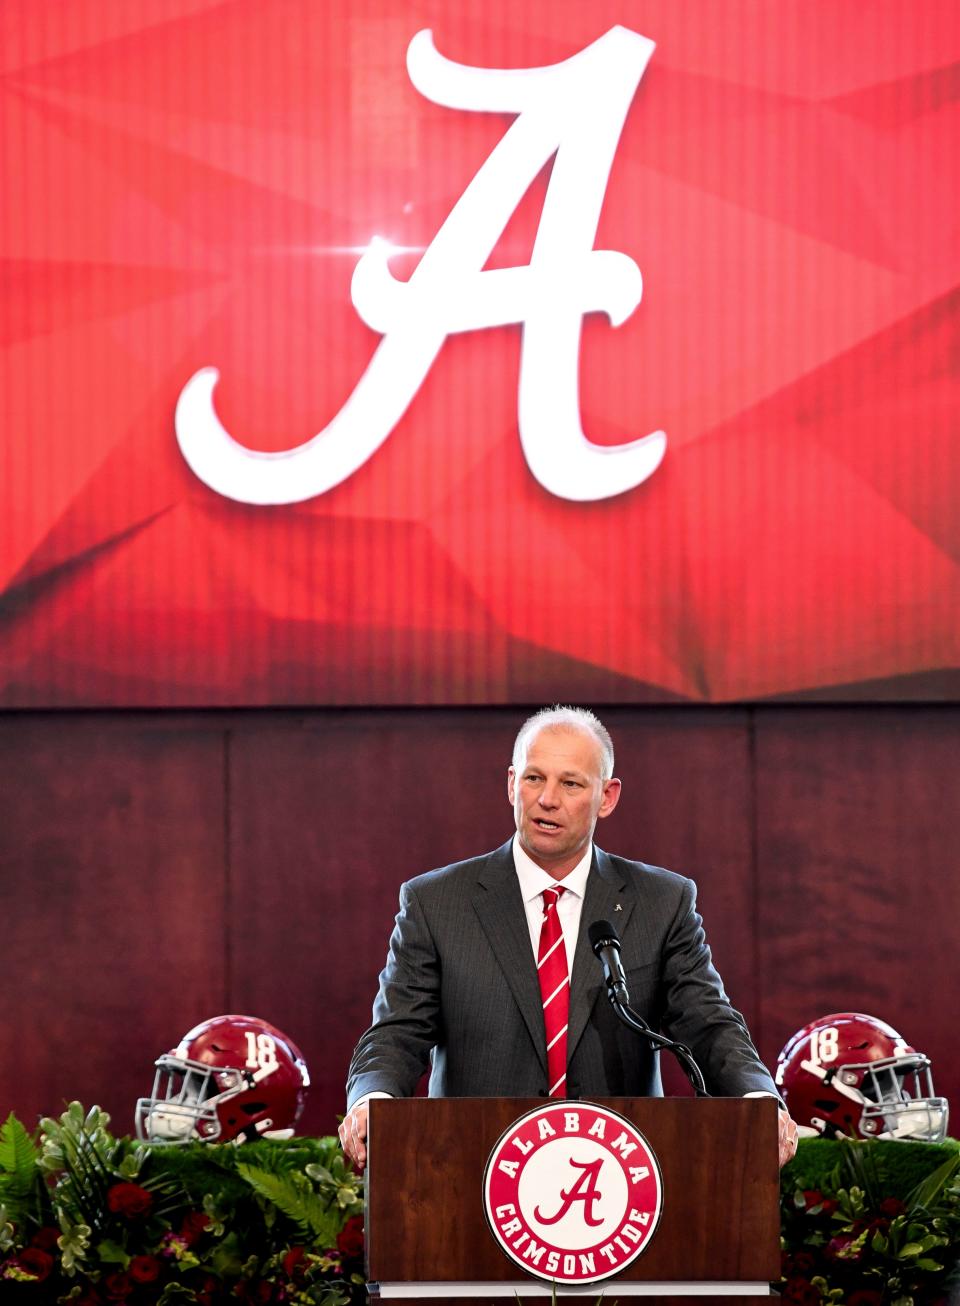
618 907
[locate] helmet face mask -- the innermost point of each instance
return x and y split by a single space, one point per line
183 1105
901 1101
231 1078
851 1074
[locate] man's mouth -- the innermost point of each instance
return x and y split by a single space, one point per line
541 824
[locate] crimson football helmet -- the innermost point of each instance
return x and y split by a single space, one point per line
230 1079
854 1075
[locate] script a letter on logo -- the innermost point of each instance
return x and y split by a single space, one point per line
583 1190
576 110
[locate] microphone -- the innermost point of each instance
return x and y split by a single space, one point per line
605 942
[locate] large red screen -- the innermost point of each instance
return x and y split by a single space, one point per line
573 351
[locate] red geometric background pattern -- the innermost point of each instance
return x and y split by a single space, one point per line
189 183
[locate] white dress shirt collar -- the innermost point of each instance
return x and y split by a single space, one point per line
534 879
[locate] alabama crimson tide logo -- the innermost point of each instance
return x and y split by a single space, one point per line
572 1192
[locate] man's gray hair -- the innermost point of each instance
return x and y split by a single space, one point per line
566 718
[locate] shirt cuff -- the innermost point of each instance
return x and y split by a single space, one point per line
762 1092
362 1101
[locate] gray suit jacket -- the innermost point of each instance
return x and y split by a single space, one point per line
460 988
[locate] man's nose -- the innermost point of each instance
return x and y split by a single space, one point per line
549 794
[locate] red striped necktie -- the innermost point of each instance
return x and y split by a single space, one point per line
554 991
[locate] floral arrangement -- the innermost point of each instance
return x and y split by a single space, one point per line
87 1219
92 1220
850 1240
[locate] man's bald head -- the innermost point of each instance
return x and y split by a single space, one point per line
565 718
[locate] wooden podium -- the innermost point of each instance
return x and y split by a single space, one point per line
427 1239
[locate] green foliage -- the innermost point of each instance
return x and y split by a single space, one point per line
227 1258
849 1232
929 1191
18 1163
21 1183
317 1197
74 1242
78 1149
819 1164
296 1197
176 1292
247 1217
7 1231
875 1216
111 1253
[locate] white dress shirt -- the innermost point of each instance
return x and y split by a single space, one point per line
533 881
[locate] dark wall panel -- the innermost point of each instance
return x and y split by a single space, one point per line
687 805
111 847
159 869
329 814
859 873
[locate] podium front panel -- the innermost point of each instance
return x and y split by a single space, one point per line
718 1160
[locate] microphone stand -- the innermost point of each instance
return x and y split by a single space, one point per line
634 1021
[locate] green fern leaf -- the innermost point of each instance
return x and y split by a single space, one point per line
18 1159
176 1292
294 1196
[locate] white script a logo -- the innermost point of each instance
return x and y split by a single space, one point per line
576 110
572 1192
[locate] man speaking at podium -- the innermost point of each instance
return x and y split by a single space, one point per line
490 974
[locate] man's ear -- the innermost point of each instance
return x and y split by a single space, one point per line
511 783
611 796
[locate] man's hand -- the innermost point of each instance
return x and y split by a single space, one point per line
353 1135
786 1135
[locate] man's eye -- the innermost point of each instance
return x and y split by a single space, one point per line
572 784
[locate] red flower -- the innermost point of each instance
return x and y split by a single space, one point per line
144 1269
89 1297
195 1223
293 1262
892 1207
350 1237
118 1285
207 1291
864 1297
259 1291
800 1292
35 1262
797 1264
45 1238
816 1204
129 1200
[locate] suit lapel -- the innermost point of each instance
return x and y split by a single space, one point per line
608 898
499 906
